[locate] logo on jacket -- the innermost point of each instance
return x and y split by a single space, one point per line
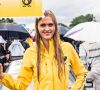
26 3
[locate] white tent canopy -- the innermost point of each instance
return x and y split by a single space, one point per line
88 31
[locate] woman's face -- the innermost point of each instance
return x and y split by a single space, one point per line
46 28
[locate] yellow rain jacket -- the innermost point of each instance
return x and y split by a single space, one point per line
29 41
49 79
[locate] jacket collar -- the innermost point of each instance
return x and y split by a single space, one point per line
51 52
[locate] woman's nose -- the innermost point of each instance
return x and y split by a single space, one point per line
46 27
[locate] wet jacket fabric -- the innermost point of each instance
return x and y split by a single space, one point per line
49 79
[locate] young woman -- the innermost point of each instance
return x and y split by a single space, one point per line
47 61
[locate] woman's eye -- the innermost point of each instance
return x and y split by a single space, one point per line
43 25
50 24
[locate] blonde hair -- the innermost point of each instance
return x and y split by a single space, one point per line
58 51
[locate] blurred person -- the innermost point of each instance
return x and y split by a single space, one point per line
4 54
16 48
8 44
90 54
47 61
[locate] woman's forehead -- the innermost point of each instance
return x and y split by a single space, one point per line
46 19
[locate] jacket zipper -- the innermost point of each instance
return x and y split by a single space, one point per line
53 75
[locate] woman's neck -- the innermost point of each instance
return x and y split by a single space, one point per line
46 44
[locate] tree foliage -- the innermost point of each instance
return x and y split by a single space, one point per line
62 25
81 19
6 20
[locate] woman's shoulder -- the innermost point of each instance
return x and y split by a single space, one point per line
67 47
32 48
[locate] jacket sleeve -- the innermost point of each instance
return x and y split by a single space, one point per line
78 69
24 77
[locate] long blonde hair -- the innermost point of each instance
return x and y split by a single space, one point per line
58 51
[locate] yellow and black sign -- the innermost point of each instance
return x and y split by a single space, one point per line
9 8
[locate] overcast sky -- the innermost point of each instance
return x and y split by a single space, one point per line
66 10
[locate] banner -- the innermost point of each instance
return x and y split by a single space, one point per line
9 8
